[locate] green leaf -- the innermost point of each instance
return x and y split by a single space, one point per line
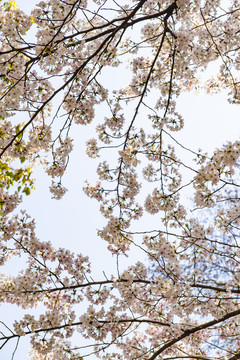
27 191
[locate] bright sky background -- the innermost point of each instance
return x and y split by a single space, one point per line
72 221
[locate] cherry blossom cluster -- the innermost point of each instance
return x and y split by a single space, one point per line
182 300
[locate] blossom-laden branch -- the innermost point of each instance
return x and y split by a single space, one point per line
54 63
